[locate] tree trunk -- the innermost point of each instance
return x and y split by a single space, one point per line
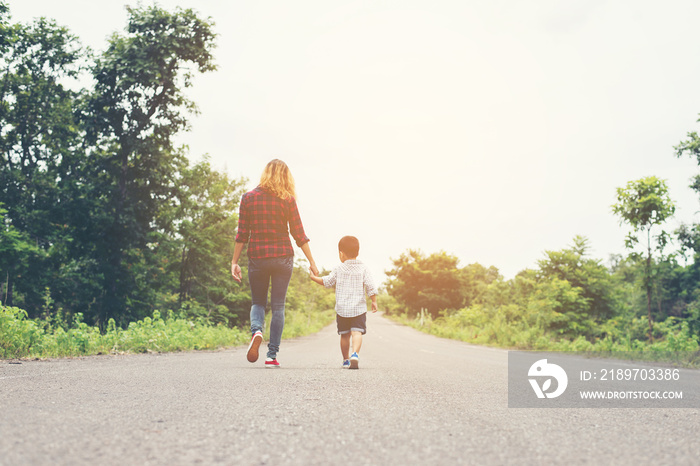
113 303
648 285
651 328
659 298
183 276
8 289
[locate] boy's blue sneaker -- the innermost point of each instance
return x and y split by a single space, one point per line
346 364
354 361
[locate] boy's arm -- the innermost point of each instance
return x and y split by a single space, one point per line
327 281
370 287
315 278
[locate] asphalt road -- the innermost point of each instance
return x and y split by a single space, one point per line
416 399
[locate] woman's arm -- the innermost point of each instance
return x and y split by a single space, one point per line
235 268
296 228
307 252
242 237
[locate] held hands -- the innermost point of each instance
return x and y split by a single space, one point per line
313 274
313 270
236 272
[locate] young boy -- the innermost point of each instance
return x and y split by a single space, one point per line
351 280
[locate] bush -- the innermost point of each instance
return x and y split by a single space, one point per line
511 326
18 335
22 337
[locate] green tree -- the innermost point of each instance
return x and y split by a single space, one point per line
432 282
476 280
37 143
6 33
645 204
206 224
136 108
96 201
588 278
557 306
689 235
691 147
689 238
573 265
16 250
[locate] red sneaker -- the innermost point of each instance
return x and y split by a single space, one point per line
272 362
254 346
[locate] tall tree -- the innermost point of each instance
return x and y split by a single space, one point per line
39 135
16 249
689 238
207 217
588 274
5 29
475 282
137 106
689 235
691 147
432 282
645 204
588 279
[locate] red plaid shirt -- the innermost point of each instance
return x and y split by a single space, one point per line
263 221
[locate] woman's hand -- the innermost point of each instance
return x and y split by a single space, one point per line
236 272
314 270
307 252
235 268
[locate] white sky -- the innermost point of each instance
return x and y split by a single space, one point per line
492 130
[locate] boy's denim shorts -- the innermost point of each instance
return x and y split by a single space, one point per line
346 324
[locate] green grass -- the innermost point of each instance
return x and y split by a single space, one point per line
677 345
21 337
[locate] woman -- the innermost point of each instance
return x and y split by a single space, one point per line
268 214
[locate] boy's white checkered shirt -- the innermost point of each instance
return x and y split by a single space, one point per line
351 280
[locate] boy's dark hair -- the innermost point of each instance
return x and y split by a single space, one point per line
349 245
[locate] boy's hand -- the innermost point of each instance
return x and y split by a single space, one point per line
313 274
374 306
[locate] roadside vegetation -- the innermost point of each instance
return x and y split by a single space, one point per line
309 309
569 302
645 301
111 239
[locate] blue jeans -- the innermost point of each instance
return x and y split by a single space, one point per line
262 272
